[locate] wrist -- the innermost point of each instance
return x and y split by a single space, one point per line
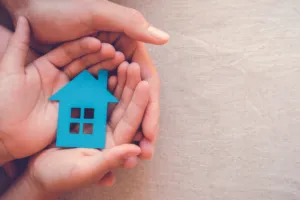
27 188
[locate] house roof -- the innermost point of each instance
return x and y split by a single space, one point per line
84 87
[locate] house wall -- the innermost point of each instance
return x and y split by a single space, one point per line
95 140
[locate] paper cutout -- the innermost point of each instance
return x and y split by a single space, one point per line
83 104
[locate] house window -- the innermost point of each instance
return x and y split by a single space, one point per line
82 120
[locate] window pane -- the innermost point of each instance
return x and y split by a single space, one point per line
89 113
75 113
74 128
88 128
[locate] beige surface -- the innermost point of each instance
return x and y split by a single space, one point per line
230 104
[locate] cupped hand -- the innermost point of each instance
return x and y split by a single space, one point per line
75 168
135 51
79 167
56 21
30 119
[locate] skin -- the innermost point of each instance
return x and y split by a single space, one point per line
79 167
105 18
76 168
106 51
127 86
27 116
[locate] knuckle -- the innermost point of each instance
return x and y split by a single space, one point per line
83 62
135 14
69 72
67 51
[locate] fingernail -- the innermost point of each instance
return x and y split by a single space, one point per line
158 33
131 154
147 149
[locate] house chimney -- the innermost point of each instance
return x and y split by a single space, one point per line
102 78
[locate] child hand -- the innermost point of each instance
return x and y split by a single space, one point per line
60 170
78 167
28 119
133 95
137 52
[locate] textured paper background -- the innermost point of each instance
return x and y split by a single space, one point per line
230 124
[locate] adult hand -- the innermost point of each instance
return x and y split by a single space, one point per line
56 21
52 24
34 116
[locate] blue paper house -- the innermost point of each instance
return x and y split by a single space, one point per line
83 103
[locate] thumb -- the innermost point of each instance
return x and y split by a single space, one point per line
101 163
17 49
117 18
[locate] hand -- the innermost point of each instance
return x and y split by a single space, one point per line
99 16
55 171
135 51
30 120
59 21
78 167
62 170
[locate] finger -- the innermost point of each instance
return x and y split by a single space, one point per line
147 148
110 143
109 37
138 137
97 165
150 123
108 64
130 162
132 79
15 57
126 45
66 53
106 52
122 76
117 18
128 125
108 180
121 42
112 83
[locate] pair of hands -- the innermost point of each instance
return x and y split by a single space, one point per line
29 123
58 21
123 27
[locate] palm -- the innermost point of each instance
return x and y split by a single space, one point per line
76 167
30 121
31 113
126 116
78 22
136 52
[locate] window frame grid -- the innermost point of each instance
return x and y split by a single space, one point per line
81 120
